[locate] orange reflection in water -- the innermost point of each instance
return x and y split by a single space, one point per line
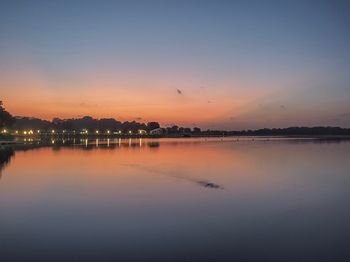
172 168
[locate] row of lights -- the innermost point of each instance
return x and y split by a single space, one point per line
31 132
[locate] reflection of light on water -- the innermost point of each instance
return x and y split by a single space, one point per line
96 142
119 142
86 142
129 142
140 142
108 142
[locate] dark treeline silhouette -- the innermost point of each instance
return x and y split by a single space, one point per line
293 131
22 123
111 125
78 124
6 119
92 124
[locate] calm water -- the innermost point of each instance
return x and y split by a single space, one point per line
177 200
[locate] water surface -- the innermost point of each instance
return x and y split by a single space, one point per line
176 200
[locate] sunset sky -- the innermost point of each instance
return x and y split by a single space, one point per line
214 64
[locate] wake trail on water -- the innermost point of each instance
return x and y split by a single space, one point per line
201 182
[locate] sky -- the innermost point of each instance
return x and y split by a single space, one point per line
214 64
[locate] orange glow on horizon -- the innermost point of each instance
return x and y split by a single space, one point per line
162 106
102 95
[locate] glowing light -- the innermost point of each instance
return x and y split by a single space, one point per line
52 131
4 131
108 131
97 131
30 132
142 132
119 131
16 131
24 132
38 131
130 132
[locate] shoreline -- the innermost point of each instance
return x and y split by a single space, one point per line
21 140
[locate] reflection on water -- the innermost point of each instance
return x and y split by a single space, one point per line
5 156
235 199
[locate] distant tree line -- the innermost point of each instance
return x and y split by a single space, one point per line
290 131
91 124
6 119
87 122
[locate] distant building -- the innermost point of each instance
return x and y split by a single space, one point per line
142 132
157 131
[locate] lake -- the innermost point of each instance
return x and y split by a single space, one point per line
195 199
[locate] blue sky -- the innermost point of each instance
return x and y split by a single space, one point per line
239 64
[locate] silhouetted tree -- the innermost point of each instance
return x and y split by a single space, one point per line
174 129
6 119
196 130
187 130
31 123
152 125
